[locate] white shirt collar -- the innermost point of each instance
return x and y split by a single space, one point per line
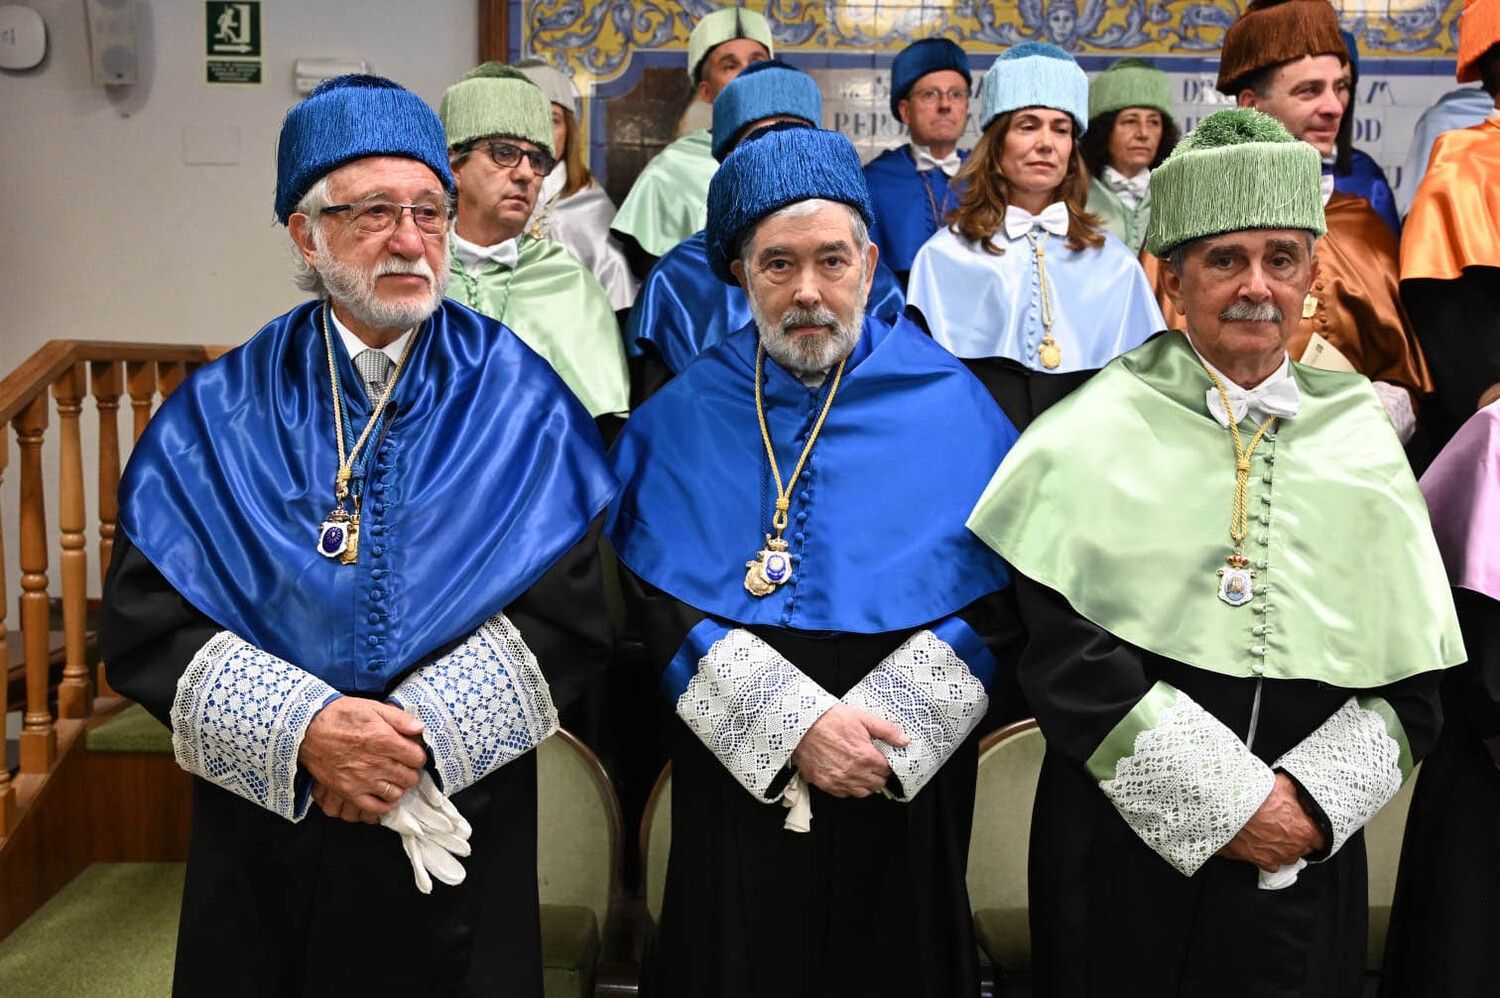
926 161
354 346
1327 188
473 256
1131 190
1278 395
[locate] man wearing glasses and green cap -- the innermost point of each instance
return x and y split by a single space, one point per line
499 127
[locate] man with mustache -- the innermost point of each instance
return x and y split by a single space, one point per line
499 126
357 567
792 529
1287 59
1224 709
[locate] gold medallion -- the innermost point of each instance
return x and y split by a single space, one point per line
1051 354
768 569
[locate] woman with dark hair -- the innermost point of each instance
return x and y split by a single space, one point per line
1130 132
573 209
1022 284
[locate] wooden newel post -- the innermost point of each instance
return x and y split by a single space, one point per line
7 791
140 381
73 698
106 383
38 736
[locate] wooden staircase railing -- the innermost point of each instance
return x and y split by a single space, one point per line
68 371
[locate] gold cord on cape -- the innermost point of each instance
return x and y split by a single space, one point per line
1050 353
1235 585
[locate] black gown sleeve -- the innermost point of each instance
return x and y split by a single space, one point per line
665 621
996 619
636 257
1457 323
1473 689
148 634
648 373
564 621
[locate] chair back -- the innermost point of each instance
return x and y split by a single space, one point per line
1010 760
1383 837
578 828
656 842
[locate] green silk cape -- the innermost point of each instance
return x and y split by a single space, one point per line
669 200
559 310
1119 498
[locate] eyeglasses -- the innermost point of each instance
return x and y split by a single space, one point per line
379 218
506 156
930 95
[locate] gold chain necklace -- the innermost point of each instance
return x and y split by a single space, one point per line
773 565
338 535
1050 352
1237 582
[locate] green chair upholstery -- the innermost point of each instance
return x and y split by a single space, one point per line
656 842
131 730
1383 837
1010 761
111 932
578 862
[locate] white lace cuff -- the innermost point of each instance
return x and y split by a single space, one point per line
924 687
481 705
1351 765
238 718
751 707
1185 784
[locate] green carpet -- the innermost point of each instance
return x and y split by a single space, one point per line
111 932
132 730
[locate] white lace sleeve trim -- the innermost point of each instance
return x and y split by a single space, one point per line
751 707
924 687
1188 786
238 718
1350 765
483 704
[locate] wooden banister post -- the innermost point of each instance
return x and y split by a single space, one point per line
38 734
169 374
7 791
73 694
105 383
140 381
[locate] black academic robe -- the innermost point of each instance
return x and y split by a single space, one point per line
1023 394
1111 917
1458 324
328 907
870 902
1446 917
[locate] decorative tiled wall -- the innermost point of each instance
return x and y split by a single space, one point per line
629 55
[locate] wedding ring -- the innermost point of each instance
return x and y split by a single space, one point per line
385 787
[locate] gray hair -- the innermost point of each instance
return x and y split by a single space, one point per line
1177 256
317 198
797 209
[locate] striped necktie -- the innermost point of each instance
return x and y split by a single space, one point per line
374 369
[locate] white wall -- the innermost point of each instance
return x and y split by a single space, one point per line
105 231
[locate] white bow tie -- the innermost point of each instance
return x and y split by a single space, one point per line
506 254
1277 396
926 161
1053 219
1134 187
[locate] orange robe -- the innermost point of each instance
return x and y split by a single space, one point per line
1358 303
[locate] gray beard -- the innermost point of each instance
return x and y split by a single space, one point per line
354 289
808 358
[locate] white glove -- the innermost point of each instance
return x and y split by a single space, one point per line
432 832
1397 402
1286 876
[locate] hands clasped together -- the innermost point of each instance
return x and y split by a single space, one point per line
367 762
1278 837
838 754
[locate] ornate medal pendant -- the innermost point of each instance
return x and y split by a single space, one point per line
769 569
1051 353
1309 305
1237 582
338 537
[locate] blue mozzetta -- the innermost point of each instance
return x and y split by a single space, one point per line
488 471
928 55
876 528
909 206
683 309
1035 74
777 167
350 117
763 90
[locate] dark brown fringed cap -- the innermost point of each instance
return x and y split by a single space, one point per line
1272 32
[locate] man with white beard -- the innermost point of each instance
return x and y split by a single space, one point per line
791 519
342 576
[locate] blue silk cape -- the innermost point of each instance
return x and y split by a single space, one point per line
877 520
904 201
683 308
488 471
978 304
1366 179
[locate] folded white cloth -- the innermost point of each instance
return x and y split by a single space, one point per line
1284 877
